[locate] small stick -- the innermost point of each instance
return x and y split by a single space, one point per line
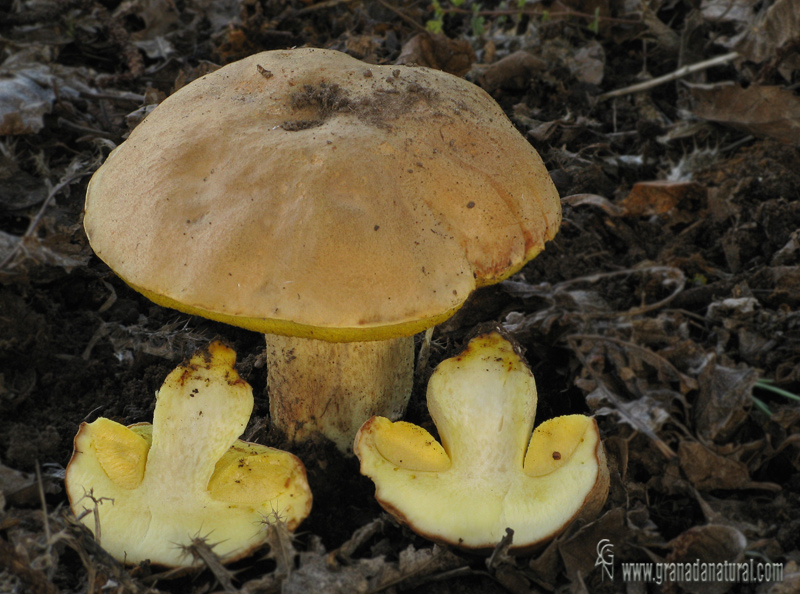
414 24
679 73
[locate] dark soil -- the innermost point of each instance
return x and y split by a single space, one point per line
672 325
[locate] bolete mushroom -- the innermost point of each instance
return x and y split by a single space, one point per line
146 491
489 473
338 207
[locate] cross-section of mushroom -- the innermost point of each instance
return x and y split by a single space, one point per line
146 491
489 473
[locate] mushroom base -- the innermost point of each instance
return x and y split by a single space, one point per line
330 389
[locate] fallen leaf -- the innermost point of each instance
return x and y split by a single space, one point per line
579 551
724 400
512 73
23 104
437 51
707 470
661 197
726 11
593 200
790 583
760 110
771 35
588 62
701 545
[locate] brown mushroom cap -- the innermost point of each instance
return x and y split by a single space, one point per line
304 192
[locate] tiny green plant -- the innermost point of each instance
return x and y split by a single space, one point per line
766 384
477 22
594 26
436 24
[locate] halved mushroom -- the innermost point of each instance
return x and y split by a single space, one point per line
146 491
489 473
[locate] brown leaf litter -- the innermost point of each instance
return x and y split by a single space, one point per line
667 305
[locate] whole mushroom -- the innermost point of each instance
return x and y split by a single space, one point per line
338 207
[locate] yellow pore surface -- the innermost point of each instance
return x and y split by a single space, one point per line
489 473
156 487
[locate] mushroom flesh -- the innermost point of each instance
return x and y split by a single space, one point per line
490 472
147 491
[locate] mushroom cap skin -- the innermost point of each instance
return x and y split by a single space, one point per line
305 193
157 487
489 473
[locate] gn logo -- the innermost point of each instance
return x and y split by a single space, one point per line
605 558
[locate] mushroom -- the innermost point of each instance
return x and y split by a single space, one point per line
338 207
147 491
489 473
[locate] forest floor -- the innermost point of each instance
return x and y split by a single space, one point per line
667 305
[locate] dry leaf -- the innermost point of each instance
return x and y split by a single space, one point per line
593 200
23 104
760 110
661 197
437 51
790 583
513 73
724 400
773 32
708 544
315 575
588 62
707 470
579 551
727 11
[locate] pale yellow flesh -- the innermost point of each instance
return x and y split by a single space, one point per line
480 481
159 486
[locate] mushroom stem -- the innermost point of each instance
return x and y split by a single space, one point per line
331 388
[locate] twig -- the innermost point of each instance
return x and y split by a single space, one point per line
423 356
321 6
98 562
675 277
112 95
86 130
16 564
345 552
567 12
679 73
45 517
201 550
656 360
662 447
678 279
414 24
501 548
74 172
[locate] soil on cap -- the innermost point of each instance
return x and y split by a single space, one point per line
377 109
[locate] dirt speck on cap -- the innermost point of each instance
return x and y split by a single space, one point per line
377 108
